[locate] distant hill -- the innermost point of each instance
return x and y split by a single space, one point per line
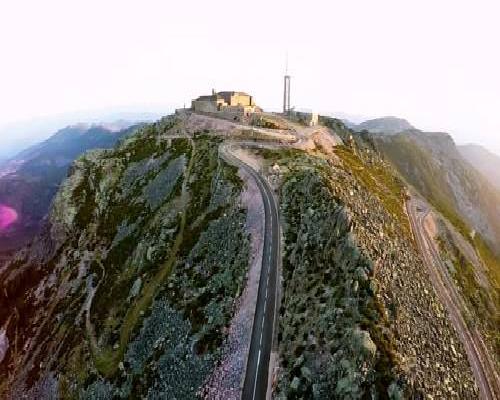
29 181
483 160
389 125
19 135
432 163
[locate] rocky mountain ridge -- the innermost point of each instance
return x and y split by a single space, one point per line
432 163
387 125
104 269
133 286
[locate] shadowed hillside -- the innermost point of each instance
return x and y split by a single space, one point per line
29 182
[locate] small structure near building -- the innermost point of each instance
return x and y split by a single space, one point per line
308 118
235 104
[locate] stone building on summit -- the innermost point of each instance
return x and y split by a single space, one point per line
231 103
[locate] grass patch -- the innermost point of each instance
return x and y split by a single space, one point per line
379 180
107 359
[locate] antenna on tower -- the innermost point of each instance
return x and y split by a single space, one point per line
286 91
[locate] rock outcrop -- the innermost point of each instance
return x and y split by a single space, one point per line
359 315
130 288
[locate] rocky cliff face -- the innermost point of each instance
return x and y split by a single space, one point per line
432 164
131 286
483 160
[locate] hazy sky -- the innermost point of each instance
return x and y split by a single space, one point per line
436 63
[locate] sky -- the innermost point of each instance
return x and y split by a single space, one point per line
435 63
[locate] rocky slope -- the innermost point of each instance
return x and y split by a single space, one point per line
476 275
432 164
29 181
133 287
130 289
359 316
467 219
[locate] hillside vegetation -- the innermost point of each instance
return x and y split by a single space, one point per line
131 288
432 165
129 291
358 314
30 181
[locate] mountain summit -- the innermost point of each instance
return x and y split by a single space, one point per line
384 125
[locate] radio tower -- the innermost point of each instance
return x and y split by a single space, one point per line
286 91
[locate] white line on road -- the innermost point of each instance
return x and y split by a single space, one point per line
255 384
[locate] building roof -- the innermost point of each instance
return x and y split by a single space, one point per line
221 96
211 97
232 93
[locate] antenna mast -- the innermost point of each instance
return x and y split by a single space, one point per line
286 91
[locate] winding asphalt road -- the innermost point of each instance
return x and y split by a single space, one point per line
482 368
257 371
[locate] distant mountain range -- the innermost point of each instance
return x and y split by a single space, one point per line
433 164
483 160
17 136
441 171
29 181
